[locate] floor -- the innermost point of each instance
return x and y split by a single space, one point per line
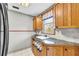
24 52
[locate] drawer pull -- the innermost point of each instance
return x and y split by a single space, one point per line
65 49
47 48
56 26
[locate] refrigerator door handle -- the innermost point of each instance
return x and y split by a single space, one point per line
6 29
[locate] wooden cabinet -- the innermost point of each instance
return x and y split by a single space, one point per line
75 14
58 51
49 51
63 15
59 15
37 23
43 50
67 15
62 50
54 51
69 51
35 51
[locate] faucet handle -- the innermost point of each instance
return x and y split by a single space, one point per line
45 35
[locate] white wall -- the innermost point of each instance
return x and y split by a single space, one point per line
19 40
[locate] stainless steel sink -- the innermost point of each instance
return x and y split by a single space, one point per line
49 41
41 37
46 40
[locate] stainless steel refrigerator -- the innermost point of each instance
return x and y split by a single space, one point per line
4 32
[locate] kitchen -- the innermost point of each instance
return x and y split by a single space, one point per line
43 29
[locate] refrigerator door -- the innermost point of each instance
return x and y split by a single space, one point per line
4 32
1 32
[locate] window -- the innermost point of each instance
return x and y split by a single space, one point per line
48 23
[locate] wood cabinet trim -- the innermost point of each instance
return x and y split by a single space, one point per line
60 27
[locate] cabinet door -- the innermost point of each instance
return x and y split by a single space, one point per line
43 50
75 14
58 51
50 51
69 51
67 14
34 23
35 51
63 15
55 51
59 15
39 23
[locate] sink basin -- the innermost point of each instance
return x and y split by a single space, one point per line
46 40
42 37
49 41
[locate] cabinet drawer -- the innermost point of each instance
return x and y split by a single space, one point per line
69 51
50 51
55 51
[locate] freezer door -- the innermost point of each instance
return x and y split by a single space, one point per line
4 32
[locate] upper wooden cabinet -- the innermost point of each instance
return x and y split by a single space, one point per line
67 15
37 23
75 14
59 15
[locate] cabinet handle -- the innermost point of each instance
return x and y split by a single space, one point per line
56 26
47 48
65 49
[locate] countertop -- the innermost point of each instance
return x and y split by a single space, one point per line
55 42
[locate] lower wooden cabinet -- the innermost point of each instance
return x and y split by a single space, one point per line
43 50
55 51
34 50
69 51
49 51
58 51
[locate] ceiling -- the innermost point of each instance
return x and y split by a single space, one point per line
33 9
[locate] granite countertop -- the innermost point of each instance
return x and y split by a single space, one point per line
63 43
54 42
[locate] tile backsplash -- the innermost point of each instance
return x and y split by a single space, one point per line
71 35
